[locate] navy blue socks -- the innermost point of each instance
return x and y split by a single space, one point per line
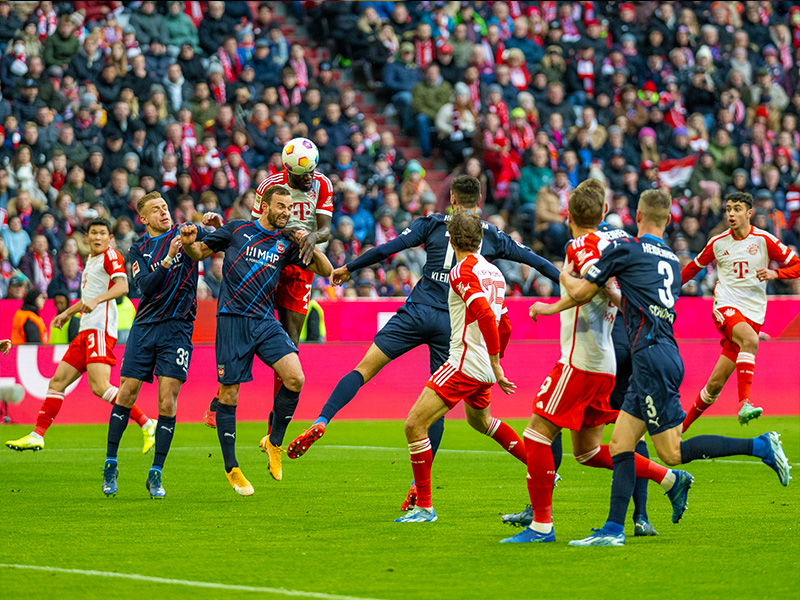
117 423
640 489
285 404
622 484
165 429
226 431
345 390
714 446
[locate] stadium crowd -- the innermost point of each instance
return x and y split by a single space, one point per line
105 101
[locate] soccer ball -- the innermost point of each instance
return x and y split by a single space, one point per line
299 156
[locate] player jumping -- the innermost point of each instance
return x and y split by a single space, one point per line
576 394
423 319
480 331
92 351
648 273
161 336
743 254
312 210
255 254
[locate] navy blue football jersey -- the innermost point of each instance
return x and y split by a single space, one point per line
254 257
166 293
618 332
431 232
649 275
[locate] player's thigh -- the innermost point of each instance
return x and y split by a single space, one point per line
99 375
628 430
668 445
292 323
64 376
290 371
437 334
173 350
745 336
428 408
478 418
403 332
168 390
235 348
372 363
586 440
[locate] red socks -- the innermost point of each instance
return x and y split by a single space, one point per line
50 407
541 473
504 435
745 364
421 461
701 403
600 458
138 416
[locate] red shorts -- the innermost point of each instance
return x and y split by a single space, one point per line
91 346
294 289
575 399
725 318
452 386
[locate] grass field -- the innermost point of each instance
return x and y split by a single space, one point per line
326 530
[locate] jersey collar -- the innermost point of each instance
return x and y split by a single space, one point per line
265 230
158 237
650 235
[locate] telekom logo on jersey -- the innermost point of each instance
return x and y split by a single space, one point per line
741 268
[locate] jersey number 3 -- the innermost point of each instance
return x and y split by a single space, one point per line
665 294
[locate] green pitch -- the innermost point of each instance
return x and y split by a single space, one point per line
326 530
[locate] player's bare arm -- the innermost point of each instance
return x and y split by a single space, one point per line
545 309
308 243
195 250
612 292
578 289
320 263
61 319
212 219
507 386
120 288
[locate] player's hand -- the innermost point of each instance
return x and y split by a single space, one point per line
293 233
89 305
340 276
58 322
507 386
538 308
307 242
188 234
766 274
174 246
212 219
5 346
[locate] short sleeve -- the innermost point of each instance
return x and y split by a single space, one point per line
586 252
325 197
221 238
609 264
465 283
114 264
778 251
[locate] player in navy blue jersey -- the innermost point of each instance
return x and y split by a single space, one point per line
622 354
424 318
160 339
648 274
255 254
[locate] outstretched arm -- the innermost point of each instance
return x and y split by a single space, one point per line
546 309
195 250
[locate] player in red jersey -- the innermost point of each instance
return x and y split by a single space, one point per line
480 330
743 254
92 351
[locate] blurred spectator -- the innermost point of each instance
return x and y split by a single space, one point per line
27 326
37 264
68 280
428 96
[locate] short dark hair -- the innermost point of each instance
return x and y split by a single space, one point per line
145 199
280 190
742 197
655 206
587 203
466 231
99 223
467 189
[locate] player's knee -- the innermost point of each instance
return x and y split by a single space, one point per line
413 429
671 456
98 387
295 381
714 387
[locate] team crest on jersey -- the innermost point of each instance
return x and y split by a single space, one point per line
280 246
221 370
730 312
312 194
753 249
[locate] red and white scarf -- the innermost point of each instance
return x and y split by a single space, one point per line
521 139
290 98
168 179
239 179
185 151
586 75
425 52
194 8
45 24
43 271
301 70
59 179
475 95
231 65
501 110
219 92
761 155
189 135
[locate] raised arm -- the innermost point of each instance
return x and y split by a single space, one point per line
511 250
700 262
320 264
195 250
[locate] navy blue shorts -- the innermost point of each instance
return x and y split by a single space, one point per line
239 339
416 325
164 347
654 392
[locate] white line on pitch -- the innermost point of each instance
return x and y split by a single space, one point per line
197 584
383 448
